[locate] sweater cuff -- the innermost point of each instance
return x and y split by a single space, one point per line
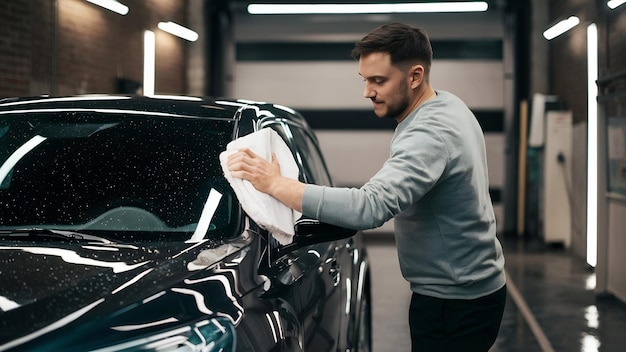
312 200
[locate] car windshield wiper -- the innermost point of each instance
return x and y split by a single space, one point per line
42 232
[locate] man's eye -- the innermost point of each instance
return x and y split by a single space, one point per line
375 80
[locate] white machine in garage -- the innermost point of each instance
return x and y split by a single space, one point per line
551 135
557 178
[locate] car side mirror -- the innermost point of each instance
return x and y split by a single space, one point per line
311 231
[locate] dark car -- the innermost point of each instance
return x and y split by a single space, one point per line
110 239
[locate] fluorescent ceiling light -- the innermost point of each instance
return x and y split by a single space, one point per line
149 62
282 9
561 27
592 145
615 3
112 5
178 30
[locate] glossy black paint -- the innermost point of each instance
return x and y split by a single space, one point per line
80 294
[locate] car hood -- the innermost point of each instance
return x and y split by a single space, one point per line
50 288
35 271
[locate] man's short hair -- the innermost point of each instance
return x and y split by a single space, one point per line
404 43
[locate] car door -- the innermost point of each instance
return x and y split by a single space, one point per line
321 289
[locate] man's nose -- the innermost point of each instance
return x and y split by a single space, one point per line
368 93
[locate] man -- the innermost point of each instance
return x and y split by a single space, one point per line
434 184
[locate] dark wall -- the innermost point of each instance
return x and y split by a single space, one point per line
73 47
568 52
615 37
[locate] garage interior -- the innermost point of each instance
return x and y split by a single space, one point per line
552 111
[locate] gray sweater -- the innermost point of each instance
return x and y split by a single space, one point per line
436 186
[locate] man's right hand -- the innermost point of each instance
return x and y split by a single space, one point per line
265 176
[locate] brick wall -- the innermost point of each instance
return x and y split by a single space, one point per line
63 47
15 43
40 57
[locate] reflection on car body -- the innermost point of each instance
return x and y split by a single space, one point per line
119 232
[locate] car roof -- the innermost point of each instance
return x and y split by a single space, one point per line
176 105
165 105
248 115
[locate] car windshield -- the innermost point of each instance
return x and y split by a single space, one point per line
115 174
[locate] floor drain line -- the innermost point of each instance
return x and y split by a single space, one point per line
528 316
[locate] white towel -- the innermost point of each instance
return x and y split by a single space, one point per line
265 210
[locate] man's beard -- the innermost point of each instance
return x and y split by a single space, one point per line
397 109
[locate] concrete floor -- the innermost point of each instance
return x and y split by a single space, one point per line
390 299
550 303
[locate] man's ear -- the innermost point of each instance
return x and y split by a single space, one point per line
416 75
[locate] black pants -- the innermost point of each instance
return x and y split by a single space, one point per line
444 325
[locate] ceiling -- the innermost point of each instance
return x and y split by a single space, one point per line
351 27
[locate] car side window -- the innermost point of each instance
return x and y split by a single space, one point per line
284 132
312 158
306 153
312 170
